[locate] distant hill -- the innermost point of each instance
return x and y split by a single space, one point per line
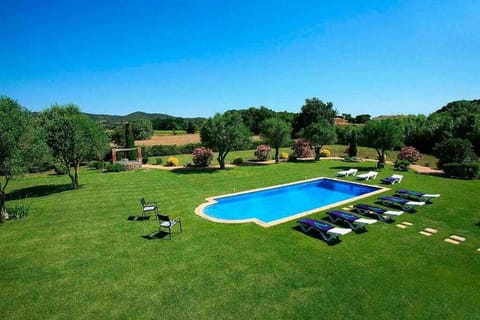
112 119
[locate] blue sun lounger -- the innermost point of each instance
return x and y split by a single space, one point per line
416 195
328 232
354 222
394 178
406 205
380 213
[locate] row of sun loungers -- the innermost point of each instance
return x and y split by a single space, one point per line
331 233
396 178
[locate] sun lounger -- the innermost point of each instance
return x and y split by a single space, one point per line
395 178
347 173
328 232
380 213
354 222
367 176
406 205
415 195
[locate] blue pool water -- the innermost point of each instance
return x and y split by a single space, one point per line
284 201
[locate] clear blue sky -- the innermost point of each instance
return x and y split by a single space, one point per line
195 58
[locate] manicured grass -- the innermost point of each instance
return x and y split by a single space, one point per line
77 256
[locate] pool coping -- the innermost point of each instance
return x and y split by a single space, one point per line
211 200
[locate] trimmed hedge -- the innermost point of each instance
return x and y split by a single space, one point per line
465 170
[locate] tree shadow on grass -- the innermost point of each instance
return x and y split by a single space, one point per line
38 191
316 235
360 169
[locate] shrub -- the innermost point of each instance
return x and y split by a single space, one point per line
454 150
158 161
115 167
238 161
325 153
172 162
202 157
262 152
401 165
283 155
465 170
19 212
292 158
409 154
302 149
145 160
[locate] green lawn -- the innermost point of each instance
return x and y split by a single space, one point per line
78 256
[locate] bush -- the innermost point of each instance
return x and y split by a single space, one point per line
163 150
454 150
284 155
115 167
237 161
60 169
409 154
18 212
292 158
172 162
145 160
158 161
401 165
262 152
325 153
302 149
465 170
202 157
96 164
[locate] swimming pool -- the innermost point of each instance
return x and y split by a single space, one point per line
278 204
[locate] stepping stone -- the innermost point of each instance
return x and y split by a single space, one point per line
347 208
451 241
407 223
458 238
401 226
431 230
428 234
478 249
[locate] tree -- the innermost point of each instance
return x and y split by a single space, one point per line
21 145
362 118
276 133
319 134
382 135
130 141
73 138
190 127
142 129
314 110
224 132
352 146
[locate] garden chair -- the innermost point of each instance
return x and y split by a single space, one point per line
148 207
167 223
328 232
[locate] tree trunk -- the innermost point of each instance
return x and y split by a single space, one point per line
77 167
3 202
221 160
276 155
317 152
381 158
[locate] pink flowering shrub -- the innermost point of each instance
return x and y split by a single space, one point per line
410 154
202 157
263 152
302 149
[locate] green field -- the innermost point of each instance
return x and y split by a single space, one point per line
78 256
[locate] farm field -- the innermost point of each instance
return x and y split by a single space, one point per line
77 255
